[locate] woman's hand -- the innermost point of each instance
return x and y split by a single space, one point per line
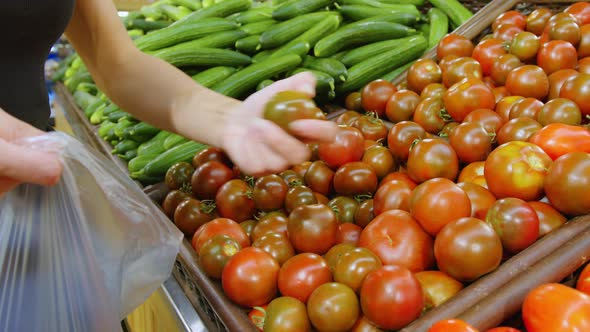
258 146
19 164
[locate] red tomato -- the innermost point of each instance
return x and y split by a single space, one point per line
269 193
364 325
537 20
393 195
371 127
584 65
433 90
375 95
349 117
490 120
525 45
219 226
557 139
577 88
471 142
401 137
556 81
256 316
432 158
277 245
355 178
302 274
556 55
250 277
584 46
211 154
549 218
481 199
581 11
348 146
273 222
567 184
466 96
286 314
503 329
344 207
398 239
401 105
453 44
430 115
215 254
333 307
515 221
452 325
502 66
422 73
438 287
504 105
526 107
391 297
513 17
486 52
208 177
556 307
460 68
319 177
473 173
348 233
364 214
190 214
380 159
233 201
437 202
560 110
312 228
353 266
518 129
517 169
528 81
506 32
583 283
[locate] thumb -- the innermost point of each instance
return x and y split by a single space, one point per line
27 165
303 82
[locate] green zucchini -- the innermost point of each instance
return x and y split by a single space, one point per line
246 80
223 39
212 76
139 162
160 165
253 15
300 48
155 145
257 27
330 66
83 99
409 2
152 12
281 33
264 84
221 9
117 116
454 9
146 25
359 54
379 65
424 29
120 127
174 13
206 57
80 77
293 9
111 107
129 154
397 71
408 19
124 146
182 31
98 103
248 44
360 33
190 4
320 29
261 56
439 26
398 5
173 140
144 129
104 128
357 13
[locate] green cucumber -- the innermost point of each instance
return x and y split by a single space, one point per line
144 129
248 45
98 103
139 162
111 108
155 145
264 84
87 87
454 9
83 99
97 117
325 83
152 12
124 146
320 29
357 12
293 9
257 27
221 9
392 75
379 65
206 57
246 80
253 15
212 76
120 127
360 33
117 116
146 25
160 165
408 2
398 6
330 66
173 140
408 19
130 154
359 54
190 4
261 56
223 39
281 33
174 13
104 128
79 77
439 26
300 48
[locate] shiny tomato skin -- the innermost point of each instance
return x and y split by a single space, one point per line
490 120
557 139
452 325
209 177
576 88
333 307
391 297
269 193
506 32
486 51
312 228
549 218
191 214
481 199
466 96
348 146
253 270
286 314
422 73
319 177
215 254
298 196
556 80
473 173
581 12
517 129
348 117
504 105
471 142
437 202
517 169
354 265
401 136
557 55
371 127
560 110
537 20
344 207
556 307
525 45
503 329
233 200
433 90
277 245
528 81
438 287
365 213
453 44
432 158
401 105
300 275
349 233
584 45
398 239
430 115
364 325
380 159
467 249
220 226
567 184
583 283
393 195
375 94
209 154
503 65
172 200
355 178
513 17
333 255
515 221
273 222
460 68
287 106
526 107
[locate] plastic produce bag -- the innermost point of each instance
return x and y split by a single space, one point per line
81 255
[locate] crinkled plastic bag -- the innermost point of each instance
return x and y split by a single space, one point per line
81 255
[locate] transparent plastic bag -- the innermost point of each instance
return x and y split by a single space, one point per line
80 255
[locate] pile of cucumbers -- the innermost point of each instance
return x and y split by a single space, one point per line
236 47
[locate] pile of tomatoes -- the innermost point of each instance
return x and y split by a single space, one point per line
486 150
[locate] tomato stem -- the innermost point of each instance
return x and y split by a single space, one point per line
363 197
186 188
444 115
208 206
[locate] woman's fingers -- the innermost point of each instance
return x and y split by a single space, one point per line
314 130
303 82
27 165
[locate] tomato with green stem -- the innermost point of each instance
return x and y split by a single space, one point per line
347 118
344 207
431 115
432 158
233 200
257 316
468 95
191 214
371 127
215 253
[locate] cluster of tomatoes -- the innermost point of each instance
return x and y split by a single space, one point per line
487 151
